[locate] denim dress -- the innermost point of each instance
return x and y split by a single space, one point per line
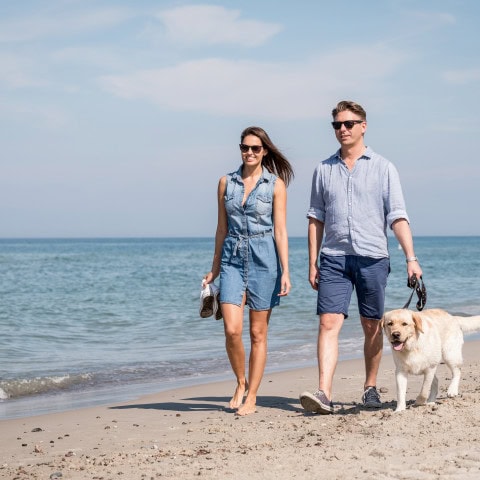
250 261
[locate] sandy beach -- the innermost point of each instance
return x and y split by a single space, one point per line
189 433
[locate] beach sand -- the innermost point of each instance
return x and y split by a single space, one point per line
189 433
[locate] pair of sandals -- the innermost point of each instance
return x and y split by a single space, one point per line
209 301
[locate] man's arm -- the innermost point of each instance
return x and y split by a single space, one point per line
315 237
402 232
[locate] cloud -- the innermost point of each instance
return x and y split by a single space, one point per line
17 72
279 90
213 25
432 19
55 23
94 56
44 116
462 77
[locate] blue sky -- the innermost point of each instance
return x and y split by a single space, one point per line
117 118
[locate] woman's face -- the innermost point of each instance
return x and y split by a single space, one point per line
249 156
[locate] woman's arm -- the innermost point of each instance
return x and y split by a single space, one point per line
221 232
281 236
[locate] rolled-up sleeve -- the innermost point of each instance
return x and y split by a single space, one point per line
317 203
393 197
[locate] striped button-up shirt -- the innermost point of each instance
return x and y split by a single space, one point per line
357 205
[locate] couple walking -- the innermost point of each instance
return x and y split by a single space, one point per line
356 194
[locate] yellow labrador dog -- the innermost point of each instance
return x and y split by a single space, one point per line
420 341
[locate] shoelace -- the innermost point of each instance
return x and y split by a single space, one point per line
418 286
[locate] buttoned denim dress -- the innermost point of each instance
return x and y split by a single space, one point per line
250 262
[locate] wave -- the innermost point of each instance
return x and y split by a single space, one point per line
24 387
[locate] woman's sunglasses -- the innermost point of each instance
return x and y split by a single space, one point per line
348 124
255 148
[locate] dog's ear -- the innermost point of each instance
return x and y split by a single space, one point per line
417 320
382 322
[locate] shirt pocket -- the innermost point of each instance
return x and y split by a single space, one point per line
229 204
264 204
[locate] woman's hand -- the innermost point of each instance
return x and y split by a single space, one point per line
285 285
208 278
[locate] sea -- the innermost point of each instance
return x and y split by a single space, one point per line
86 322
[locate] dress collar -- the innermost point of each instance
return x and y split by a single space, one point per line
265 177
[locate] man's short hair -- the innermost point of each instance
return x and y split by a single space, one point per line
350 106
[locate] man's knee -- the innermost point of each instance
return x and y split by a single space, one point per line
331 321
371 327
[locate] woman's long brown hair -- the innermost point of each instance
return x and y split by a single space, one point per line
275 162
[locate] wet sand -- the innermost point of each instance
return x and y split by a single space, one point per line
190 433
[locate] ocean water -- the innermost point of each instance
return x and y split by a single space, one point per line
93 321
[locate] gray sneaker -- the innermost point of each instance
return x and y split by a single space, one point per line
316 402
371 398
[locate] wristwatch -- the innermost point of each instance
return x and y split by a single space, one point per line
411 259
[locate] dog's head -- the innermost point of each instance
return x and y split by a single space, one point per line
401 328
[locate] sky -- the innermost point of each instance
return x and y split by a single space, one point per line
117 118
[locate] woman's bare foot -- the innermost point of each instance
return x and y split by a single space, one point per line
237 398
247 408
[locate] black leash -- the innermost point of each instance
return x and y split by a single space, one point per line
418 286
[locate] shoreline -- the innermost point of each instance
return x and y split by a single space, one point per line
71 400
188 431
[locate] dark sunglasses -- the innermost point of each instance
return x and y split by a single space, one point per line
255 148
348 124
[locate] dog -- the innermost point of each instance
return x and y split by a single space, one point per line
420 341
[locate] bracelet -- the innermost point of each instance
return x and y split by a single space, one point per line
411 259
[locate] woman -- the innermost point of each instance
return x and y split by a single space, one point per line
251 255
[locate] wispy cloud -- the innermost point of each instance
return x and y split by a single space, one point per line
46 116
462 77
55 23
278 90
17 72
213 25
432 19
90 56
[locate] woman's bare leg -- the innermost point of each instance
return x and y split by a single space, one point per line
258 358
233 326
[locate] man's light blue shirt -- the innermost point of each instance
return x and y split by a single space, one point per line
356 205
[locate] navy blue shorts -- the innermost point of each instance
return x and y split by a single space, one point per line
340 275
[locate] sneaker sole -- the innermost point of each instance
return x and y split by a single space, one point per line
312 404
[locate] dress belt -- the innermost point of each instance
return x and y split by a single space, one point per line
241 238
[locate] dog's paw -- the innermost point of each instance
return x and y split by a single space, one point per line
420 401
452 393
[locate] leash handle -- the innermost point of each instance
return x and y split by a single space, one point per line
418 286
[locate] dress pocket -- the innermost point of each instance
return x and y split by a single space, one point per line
264 204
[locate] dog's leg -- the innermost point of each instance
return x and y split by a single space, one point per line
433 391
428 379
453 387
452 355
401 379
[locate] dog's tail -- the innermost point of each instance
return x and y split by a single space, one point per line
469 324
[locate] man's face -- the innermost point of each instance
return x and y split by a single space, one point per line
350 136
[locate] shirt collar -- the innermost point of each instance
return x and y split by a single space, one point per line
367 154
265 177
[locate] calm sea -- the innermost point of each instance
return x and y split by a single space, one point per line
93 321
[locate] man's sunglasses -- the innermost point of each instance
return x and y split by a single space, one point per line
348 124
255 148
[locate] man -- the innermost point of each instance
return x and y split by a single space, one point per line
355 195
